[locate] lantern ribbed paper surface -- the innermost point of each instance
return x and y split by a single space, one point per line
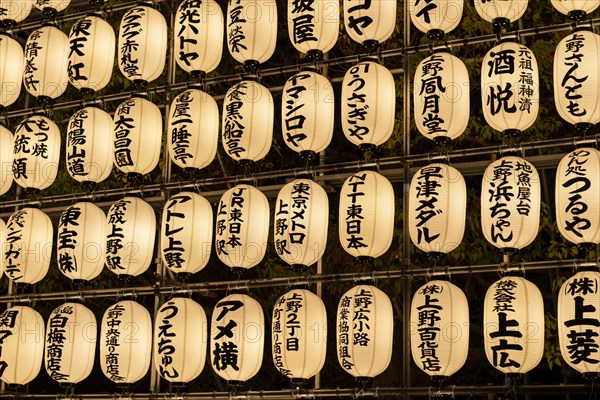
6 159
11 70
53 5
490 10
251 29
436 17
314 25
369 20
15 11
573 6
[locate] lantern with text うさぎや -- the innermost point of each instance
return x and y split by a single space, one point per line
70 343
437 17
130 233
125 342
369 22
575 9
6 159
313 29
365 327
441 97
51 7
180 340
14 11
237 338
513 323
439 320
22 345
11 70
437 208
186 233
501 12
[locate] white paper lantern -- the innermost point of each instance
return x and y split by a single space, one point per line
186 233
437 208
11 70
51 7
14 11
365 328
437 17
81 241
439 320
313 27
130 233
510 203
125 342
237 338
369 20
366 214
441 96
248 114
501 12
70 343
368 104
575 8
6 159
180 340
22 346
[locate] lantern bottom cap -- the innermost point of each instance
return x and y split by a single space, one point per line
30 191
364 380
439 379
591 375
583 127
191 172
436 34
577 15
315 55
299 382
245 162
235 384
299 267
500 24
308 155
365 259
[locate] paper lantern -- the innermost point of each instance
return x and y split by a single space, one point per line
369 20
307 113
437 208
248 114
242 227
46 63
180 340
11 70
6 159
299 334
576 9
186 233
368 103
441 97
2 245
193 129
439 320
125 342
22 345
501 12
51 7
70 343
81 237
313 27
437 17
366 215
510 203
142 44
237 338
14 11
513 320
89 149
130 233
199 35
365 328
137 136
579 322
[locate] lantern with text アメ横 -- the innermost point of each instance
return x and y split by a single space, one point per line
238 329
369 21
6 159
51 7
501 12
575 9
180 340
314 28
437 17
11 70
439 320
14 11
125 342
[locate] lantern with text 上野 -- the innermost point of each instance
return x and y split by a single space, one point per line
237 338
70 343
369 22
575 9
125 342
513 323
365 327
186 233
437 17
439 320
51 7
6 159
313 29
501 12
129 235
180 340
14 11
437 208
11 70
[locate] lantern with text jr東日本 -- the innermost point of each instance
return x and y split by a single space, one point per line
51 7
501 12
6 159
439 321
369 21
314 28
575 9
14 11
437 17
11 70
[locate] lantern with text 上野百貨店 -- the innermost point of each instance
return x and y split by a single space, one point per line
6 159
501 12
313 27
14 11
436 17
369 22
575 9
11 70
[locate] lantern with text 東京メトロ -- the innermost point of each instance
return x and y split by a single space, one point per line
313 29
575 9
437 17
11 70
501 12
14 11
6 159
369 22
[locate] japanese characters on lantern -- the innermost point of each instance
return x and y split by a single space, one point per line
436 17
14 11
6 150
369 20
11 70
51 7
313 26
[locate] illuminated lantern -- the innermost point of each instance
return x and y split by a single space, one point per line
436 18
437 208
439 320
180 340
6 159
579 322
441 96
371 21
368 104
248 114
80 242
11 70
51 7
130 233
237 327
501 12
365 328
22 345
14 11
186 233
366 215
242 227
575 9
193 130
70 343
125 342
313 29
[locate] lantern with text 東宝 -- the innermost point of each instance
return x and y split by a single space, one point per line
369 20
129 235
22 345
501 12
186 233
439 320
11 70
366 215
125 342
313 29
365 327
437 208
51 7
14 11
575 9
237 338
248 113
180 340
6 159
513 324
437 17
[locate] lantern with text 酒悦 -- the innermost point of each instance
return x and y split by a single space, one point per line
313 28
575 9
6 159
11 70
51 7
501 12
369 22
437 17
14 11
